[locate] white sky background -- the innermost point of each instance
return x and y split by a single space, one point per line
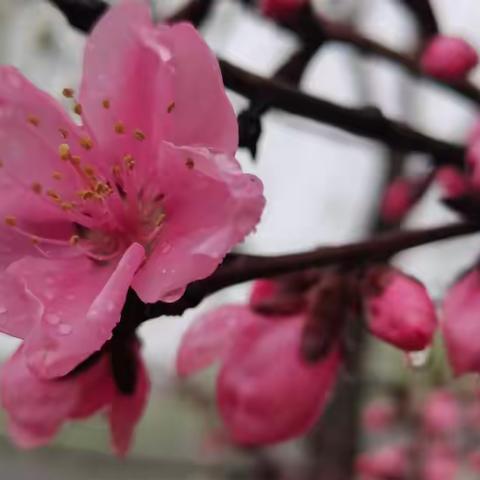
320 183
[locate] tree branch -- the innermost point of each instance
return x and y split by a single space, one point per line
367 122
423 11
243 268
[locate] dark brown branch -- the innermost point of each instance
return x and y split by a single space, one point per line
311 28
367 122
244 268
423 11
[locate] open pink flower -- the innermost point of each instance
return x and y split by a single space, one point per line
449 58
146 193
388 462
37 408
399 310
461 325
261 371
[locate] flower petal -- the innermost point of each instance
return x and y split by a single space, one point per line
126 411
82 300
180 96
211 336
36 408
210 206
460 325
19 309
259 378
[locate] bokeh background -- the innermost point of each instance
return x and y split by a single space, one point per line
322 188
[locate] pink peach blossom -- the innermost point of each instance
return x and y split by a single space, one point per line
281 8
261 369
400 311
440 463
146 193
389 462
449 58
37 408
460 325
441 414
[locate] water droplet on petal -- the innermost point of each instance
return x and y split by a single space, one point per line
418 359
3 309
65 329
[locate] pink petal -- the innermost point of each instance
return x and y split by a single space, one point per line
398 200
82 300
36 408
262 374
401 312
181 97
460 326
262 290
210 206
19 309
127 410
449 58
211 336
452 181
97 389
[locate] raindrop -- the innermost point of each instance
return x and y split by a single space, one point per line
52 319
65 329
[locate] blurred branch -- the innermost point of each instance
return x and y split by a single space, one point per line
423 11
367 122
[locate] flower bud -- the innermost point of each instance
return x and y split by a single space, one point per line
281 9
441 414
461 325
448 58
399 309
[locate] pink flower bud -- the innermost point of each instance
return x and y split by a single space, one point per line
399 310
448 58
266 392
461 325
281 8
378 415
473 162
441 414
453 183
385 463
397 200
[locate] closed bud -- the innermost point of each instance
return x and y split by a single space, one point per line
399 309
449 58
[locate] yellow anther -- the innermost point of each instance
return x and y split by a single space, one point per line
117 170
68 92
57 175
86 143
33 120
64 151
37 188
119 128
160 218
63 132
102 189
74 239
66 206
129 161
78 109
53 195
139 135
89 171
170 107
86 194
11 221
190 163
106 103
75 160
